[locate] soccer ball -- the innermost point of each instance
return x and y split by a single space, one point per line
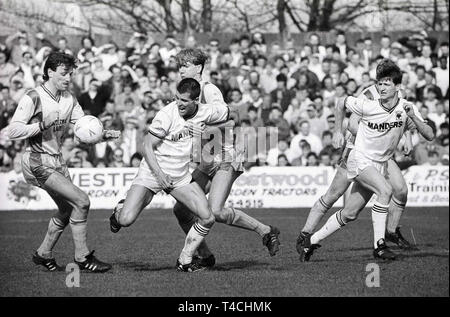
88 129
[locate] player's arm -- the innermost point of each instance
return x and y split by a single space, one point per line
158 130
233 120
353 124
424 129
151 142
408 145
355 105
20 128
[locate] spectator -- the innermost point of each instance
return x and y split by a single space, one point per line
312 159
276 120
94 100
283 160
355 69
441 74
304 133
324 159
17 44
274 153
433 159
281 95
442 139
7 69
117 158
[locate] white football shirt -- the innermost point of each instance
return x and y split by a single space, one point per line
174 152
380 129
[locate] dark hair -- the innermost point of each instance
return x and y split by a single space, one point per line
327 132
189 85
56 59
136 155
252 108
281 77
89 38
420 67
388 69
191 55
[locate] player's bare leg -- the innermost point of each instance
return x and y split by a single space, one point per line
194 199
359 196
64 188
138 197
397 206
220 189
57 224
186 218
338 187
372 180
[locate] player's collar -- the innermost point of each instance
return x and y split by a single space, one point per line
56 98
392 109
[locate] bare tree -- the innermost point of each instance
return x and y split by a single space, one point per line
206 15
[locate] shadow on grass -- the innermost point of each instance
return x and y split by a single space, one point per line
238 265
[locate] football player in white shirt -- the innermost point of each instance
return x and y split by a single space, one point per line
167 152
43 117
341 183
217 176
380 129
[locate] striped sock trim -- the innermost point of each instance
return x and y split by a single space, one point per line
380 208
339 218
77 221
201 230
58 223
322 202
398 203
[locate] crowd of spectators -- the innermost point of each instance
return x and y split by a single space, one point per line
291 88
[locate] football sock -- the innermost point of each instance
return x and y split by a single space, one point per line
195 236
240 219
315 215
333 224
54 231
396 208
379 216
79 234
186 220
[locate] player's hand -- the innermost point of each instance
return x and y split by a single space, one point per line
196 129
407 148
338 140
165 181
50 119
110 135
408 107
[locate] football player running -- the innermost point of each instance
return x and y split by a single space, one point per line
341 183
167 152
382 124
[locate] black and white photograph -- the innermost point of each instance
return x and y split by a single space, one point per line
224 154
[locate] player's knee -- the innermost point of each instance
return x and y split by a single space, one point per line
83 203
386 192
401 194
349 215
207 221
221 216
125 220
